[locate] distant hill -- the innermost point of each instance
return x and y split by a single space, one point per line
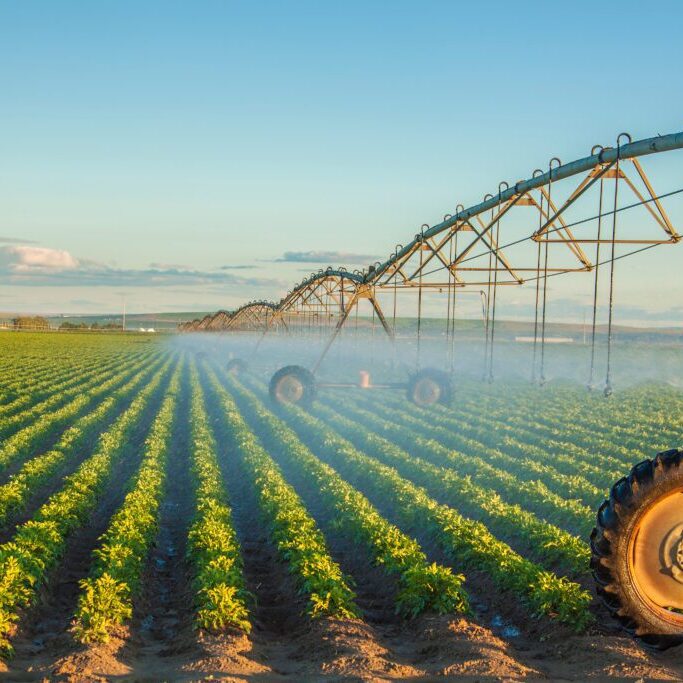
506 330
162 322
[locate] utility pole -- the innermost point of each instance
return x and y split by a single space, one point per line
124 312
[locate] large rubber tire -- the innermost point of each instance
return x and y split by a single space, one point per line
292 384
430 386
236 366
637 551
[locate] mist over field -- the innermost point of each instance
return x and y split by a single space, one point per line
632 362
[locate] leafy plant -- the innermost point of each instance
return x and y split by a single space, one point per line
213 549
116 573
293 531
422 586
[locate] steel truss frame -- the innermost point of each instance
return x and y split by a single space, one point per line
466 250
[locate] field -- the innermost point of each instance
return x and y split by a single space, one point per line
160 519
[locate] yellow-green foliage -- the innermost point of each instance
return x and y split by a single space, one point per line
213 549
116 574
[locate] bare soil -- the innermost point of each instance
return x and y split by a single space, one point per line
498 643
430 648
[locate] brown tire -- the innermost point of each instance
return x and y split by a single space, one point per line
292 384
430 386
637 551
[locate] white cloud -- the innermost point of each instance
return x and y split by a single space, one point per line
24 259
46 267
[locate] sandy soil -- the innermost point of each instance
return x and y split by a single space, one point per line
499 643
429 648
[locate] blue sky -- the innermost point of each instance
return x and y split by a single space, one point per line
191 155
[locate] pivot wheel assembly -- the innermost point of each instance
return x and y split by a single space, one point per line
292 384
430 386
638 551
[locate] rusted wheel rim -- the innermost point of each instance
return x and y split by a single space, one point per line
656 557
426 392
289 390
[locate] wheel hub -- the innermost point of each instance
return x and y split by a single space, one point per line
427 392
289 389
673 549
656 556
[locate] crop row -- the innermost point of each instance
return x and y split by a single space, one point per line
497 431
609 435
520 436
293 531
58 396
38 544
20 486
467 542
589 420
421 585
527 468
106 598
57 380
49 421
592 454
20 374
549 544
213 549
532 495
19 394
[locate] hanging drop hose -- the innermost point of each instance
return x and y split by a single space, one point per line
608 377
595 289
493 312
448 302
393 324
455 255
538 289
542 379
545 269
538 285
495 290
372 339
419 296
488 300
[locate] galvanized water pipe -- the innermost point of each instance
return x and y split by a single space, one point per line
662 143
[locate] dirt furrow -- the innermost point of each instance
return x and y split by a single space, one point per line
276 609
161 633
538 647
422 646
41 493
44 640
284 641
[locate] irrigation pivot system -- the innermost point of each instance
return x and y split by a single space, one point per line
578 217
567 218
